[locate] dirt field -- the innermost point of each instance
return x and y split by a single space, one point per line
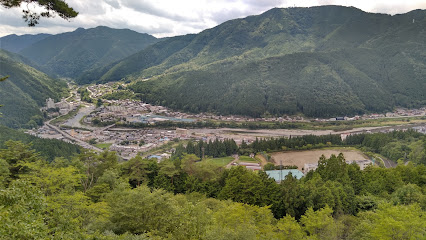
299 158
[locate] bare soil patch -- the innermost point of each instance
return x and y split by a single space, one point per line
299 158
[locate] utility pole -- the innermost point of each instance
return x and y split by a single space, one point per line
202 155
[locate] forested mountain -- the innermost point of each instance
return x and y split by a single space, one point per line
15 43
320 61
70 54
24 92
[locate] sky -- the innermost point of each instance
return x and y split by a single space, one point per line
165 18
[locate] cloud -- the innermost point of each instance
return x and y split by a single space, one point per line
163 18
113 3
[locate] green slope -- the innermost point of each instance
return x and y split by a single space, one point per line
316 84
49 148
25 91
320 61
70 54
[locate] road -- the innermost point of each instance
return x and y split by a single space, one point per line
236 158
75 140
387 163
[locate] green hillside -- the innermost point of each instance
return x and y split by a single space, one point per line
70 54
48 148
25 91
320 61
15 43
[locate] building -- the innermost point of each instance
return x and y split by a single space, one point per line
309 167
50 103
181 131
361 163
280 175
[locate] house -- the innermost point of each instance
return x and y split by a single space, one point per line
254 168
159 158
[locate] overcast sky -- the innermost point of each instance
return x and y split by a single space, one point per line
163 18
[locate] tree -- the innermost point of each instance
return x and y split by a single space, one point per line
139 210
17 155
319 223
21 212
391 222
136 169
290 229
51 8
290 200
333 168
1 80
244 186
4 172
99 102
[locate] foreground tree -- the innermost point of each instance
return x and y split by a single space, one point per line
50 9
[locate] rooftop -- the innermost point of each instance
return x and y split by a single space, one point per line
279 175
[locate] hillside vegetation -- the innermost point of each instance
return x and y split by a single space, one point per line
319 61
93 196
49 149
24 92
70 54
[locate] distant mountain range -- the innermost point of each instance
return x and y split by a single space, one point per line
70 54
25 91
14 43
319 61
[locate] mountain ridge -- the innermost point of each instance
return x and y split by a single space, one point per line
70 54
317 34
14 43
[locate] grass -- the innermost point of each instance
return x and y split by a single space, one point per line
219 162
248 159
103 145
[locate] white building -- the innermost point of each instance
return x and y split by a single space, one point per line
50 103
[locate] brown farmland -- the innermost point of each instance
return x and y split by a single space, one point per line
299 158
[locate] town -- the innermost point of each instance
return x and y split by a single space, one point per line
98 126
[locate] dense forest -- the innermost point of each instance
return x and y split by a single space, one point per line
319 61
93 196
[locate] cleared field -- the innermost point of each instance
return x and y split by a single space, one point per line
299 158
248 159
220 162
